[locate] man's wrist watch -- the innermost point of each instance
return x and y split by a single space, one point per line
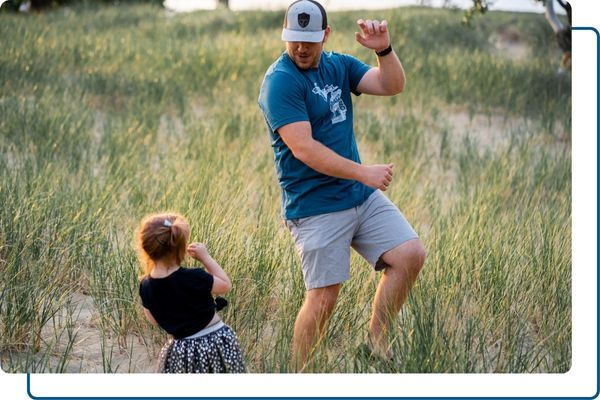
385 51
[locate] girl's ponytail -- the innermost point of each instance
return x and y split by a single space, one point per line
162 236
180 234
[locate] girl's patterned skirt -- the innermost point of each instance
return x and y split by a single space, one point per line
212 350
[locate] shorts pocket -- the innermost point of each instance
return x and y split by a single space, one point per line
291 224
297 222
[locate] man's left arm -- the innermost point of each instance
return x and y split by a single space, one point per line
388 78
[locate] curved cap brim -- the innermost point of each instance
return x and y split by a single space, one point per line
289 35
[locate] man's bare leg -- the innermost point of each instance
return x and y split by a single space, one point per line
404 263
311 322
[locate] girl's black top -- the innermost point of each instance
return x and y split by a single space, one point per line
181 303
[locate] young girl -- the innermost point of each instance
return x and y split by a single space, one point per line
180 300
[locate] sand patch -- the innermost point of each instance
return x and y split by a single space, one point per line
98 129
92 350
11 156
198 108
485 131
170 127
507 42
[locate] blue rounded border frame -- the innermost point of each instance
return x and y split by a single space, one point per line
576 28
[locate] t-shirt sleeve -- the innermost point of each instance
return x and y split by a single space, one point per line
282 100
202 280
142 292
356 70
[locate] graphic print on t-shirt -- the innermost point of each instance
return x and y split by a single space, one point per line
336 104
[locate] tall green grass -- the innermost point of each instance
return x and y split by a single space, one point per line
112 113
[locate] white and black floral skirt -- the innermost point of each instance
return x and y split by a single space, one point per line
216 352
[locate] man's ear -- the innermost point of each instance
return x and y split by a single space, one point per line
327 32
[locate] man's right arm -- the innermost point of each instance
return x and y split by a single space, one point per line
298 137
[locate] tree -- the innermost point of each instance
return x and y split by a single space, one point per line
562 31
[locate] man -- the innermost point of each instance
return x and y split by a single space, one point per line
330 201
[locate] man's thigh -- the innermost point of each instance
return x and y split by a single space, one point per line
382 227
323 243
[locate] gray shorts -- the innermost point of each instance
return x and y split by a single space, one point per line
324 241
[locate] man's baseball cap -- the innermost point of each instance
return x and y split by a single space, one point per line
305 21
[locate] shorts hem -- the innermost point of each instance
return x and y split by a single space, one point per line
382 266
325 283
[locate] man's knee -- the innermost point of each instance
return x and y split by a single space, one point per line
409 256
417 255
324 298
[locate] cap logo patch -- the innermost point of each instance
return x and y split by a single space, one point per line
303 19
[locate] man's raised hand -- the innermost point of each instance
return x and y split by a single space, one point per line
373 34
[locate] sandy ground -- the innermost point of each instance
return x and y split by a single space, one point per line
88 354
507 42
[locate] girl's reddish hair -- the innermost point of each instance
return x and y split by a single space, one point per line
162 236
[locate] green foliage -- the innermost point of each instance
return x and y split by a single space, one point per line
13 5
113 113
479 8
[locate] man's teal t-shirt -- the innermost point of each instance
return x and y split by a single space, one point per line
321 96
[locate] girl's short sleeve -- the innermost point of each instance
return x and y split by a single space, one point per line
142 293
202 280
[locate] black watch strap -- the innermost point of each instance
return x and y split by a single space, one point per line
385 51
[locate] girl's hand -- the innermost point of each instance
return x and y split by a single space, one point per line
221 282
198 251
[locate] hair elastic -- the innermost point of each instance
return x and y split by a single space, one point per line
167 223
